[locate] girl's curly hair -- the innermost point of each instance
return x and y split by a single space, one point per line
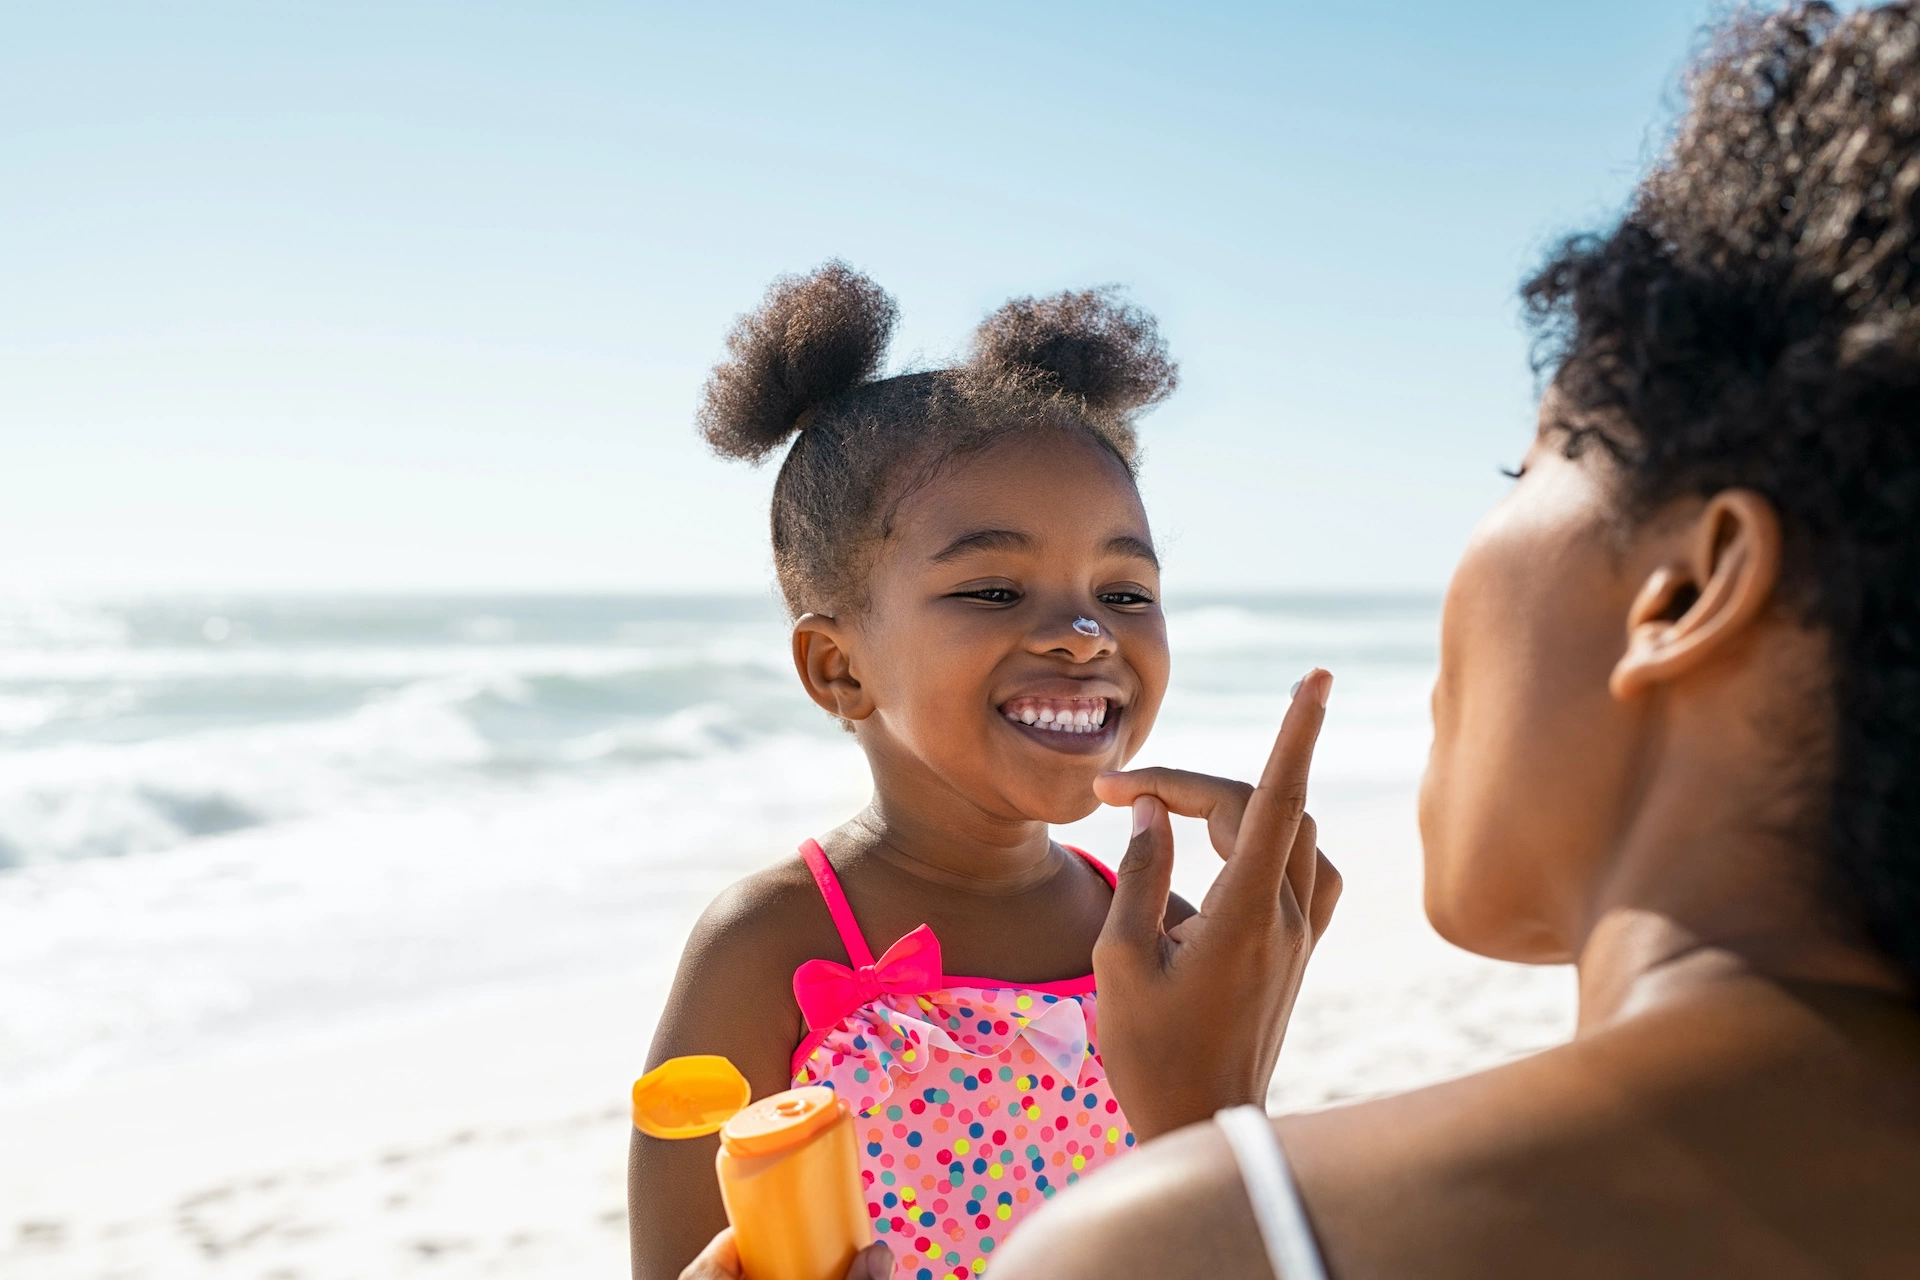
805 364
1752 322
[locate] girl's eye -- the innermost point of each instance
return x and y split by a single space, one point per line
1514 473
1123 599
991 595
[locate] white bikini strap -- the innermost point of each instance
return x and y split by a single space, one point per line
1276 1202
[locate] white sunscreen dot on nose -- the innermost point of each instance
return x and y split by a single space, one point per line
1086 626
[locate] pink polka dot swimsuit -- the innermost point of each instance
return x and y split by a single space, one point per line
975 1100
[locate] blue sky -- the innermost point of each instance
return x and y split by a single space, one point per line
420 296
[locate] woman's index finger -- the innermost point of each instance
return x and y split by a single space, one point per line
1191 795
1259 862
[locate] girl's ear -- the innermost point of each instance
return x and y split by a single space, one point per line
823 656
1706 596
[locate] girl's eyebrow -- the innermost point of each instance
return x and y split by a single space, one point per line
984 540
1013 540
1128 545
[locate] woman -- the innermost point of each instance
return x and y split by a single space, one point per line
1677 742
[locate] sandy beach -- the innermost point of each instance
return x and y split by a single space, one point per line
489 1139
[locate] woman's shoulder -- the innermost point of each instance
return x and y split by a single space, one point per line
1171 1208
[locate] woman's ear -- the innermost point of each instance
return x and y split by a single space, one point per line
1705 596
823 656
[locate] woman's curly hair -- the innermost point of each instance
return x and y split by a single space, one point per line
805 364
1752 323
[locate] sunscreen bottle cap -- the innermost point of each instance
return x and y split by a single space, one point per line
689 1097
781 1122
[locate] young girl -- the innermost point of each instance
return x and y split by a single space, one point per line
975 596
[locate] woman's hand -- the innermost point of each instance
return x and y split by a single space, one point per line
1191 1018
720 1260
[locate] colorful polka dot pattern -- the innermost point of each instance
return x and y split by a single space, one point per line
975 1105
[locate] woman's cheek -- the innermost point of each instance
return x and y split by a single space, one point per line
1473 665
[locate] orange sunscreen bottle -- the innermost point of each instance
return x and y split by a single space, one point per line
788 1165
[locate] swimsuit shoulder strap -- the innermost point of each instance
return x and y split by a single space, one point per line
1105 873
1291 1250
842 912
856 943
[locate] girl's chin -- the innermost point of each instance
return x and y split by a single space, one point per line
1071 796
1059 809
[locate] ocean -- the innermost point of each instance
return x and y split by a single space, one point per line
226 821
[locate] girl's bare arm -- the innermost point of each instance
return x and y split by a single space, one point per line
731 996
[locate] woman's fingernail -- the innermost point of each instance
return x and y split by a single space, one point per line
1326 689
1142 813
879 1261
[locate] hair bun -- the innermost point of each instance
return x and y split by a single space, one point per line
1088 344
814 337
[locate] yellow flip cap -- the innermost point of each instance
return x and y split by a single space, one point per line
689 1097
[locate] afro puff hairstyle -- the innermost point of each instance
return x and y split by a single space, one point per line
804 367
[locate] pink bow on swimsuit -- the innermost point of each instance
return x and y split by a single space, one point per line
828 992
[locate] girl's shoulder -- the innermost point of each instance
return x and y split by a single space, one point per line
774 918
733 992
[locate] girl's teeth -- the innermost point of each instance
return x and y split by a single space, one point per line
1089 717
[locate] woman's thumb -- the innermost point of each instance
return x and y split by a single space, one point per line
1144 880
875 1262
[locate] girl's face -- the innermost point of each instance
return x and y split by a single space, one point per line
1533 759
977 681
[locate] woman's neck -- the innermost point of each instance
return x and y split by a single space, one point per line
1704 887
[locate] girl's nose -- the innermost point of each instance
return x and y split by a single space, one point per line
1079 637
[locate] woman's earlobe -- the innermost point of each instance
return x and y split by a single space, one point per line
1720 579
824 661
